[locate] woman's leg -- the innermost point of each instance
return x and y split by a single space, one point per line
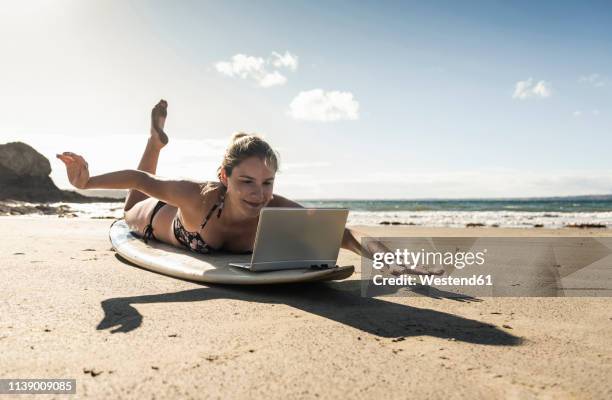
150 157
148 163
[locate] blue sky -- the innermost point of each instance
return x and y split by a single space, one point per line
431 100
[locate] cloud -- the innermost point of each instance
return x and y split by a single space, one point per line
542 89
287 60
241 65
580 113
530 88
257 69
273 79
318 105
595 80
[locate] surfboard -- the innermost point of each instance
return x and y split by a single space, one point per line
211 268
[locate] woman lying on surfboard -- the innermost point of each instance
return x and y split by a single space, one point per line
202 217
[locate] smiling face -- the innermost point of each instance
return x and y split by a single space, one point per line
249 187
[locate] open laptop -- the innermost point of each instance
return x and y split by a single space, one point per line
295 238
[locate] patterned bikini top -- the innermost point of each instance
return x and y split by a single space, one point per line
192 240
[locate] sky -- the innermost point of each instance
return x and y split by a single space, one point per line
378 100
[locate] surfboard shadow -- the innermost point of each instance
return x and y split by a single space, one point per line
338 301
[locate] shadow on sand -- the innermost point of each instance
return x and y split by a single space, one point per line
338 301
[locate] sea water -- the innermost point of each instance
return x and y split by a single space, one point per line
515 213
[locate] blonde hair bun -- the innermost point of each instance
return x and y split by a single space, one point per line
238 135
243 146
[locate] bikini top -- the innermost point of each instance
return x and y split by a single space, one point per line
192 240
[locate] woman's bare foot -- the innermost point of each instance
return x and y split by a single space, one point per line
158 121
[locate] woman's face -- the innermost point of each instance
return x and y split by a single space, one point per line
250 186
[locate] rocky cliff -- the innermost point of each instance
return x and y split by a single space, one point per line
24 176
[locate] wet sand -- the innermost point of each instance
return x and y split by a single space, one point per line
71 309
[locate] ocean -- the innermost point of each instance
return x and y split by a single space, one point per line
515 213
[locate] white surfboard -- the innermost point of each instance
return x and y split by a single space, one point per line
212 268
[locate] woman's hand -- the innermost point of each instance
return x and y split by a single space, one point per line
401 269
351 242
77 169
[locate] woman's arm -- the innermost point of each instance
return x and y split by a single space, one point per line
352 241
179 193
351 238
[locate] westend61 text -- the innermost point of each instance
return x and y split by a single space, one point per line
474 280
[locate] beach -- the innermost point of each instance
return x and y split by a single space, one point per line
467 142
72 309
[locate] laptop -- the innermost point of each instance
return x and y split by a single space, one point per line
296 238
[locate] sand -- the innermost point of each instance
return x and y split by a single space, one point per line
71 309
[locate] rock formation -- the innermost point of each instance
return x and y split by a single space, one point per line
24 176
